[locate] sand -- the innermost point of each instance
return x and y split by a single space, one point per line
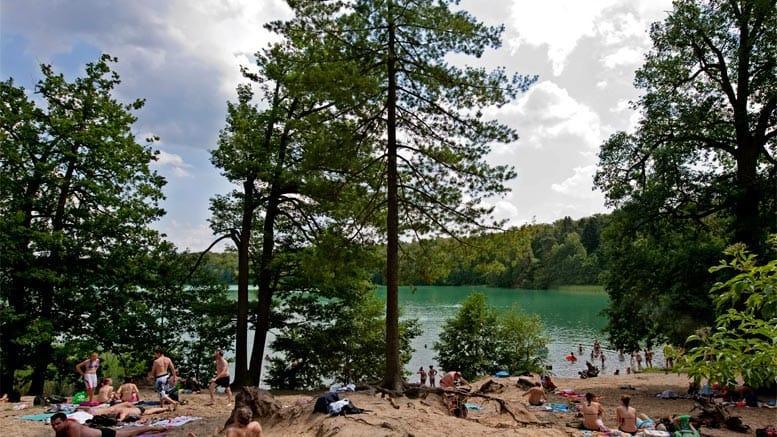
428 417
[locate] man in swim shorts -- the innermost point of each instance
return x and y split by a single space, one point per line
221 379
163 372
65 428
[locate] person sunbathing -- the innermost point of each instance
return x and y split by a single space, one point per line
127 409
128 392
65 428
626 416
244 425
536 394
105 394
645 422
592 414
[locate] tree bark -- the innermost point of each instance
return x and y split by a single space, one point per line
393 377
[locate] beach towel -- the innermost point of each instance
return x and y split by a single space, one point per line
175 421
35 417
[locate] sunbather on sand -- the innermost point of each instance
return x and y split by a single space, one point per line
244 425
536 394
65 428
126 409
592 414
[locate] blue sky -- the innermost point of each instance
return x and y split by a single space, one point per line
183 57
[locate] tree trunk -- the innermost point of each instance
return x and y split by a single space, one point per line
243 261
393 378
265 292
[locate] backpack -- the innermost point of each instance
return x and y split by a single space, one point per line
323 401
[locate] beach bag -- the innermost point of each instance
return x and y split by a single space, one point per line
323 401
79 397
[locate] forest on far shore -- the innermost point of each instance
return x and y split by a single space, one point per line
532 256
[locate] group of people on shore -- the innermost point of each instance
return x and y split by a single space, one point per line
431 374
628 421
636 358
123 402
163 374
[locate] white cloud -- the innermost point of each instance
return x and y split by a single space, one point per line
579 184
558 24
623 56
174 162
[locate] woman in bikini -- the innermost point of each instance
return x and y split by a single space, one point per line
626 415
88 370
592 414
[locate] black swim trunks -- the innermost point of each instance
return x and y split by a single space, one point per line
223 381
142 410
107 432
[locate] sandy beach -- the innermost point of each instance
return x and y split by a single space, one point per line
426 416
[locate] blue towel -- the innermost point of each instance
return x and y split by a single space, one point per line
36 417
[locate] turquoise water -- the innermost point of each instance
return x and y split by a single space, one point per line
569 318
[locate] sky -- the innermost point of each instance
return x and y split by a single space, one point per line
184 56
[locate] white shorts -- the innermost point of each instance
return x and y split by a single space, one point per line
90 379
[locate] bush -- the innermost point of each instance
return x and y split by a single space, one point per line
743 343
479 340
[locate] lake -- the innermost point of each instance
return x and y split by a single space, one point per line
569 317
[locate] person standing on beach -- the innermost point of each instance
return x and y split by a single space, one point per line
88 370
422 373
163 372
432 374
221 379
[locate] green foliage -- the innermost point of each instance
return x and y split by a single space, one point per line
658 289
531 256
347 340
480 341
82 270
706 143
743 343
77 196
331 308
698 173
